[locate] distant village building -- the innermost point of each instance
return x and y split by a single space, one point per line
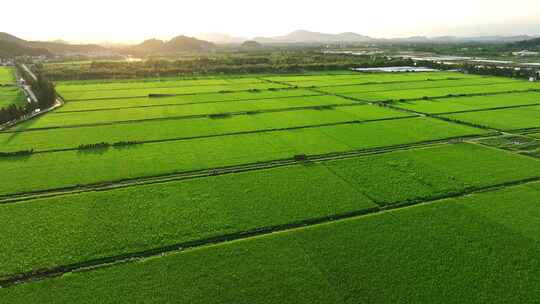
525 53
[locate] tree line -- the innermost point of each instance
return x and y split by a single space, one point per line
269 62
42 88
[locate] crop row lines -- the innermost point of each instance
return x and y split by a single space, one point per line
112 261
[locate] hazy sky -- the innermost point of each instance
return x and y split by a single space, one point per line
134 20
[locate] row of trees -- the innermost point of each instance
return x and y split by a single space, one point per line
271 62
45 94
485 69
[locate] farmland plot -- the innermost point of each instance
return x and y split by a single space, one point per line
160 130
314 80
474 103
62 119
7 75
455 244
504 119
103 104
144 92
427 85
32 173
11 95
84 86
445 92
142 217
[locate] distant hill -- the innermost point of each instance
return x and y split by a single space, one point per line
15 46
457 39
249 46
303 36
13 49
220 38
176 45
531 44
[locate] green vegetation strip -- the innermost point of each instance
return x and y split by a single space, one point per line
55 120
94 225
168 130
119 103
502 119
24 174
98 94
473 103
7 75
111 86
478 248
11 95
302 80
411 94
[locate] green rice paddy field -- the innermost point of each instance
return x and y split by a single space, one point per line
7 76
274 189
9 93
476 249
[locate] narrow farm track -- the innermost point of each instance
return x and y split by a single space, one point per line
22 197
261 231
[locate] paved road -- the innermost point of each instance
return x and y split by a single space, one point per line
29 71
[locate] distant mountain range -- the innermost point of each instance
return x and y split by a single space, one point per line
176 45
221 38
532 44
11 46
303 36
14 46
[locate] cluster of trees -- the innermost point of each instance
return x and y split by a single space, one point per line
493 70
264 62
17 153
525 73
45 94
104 145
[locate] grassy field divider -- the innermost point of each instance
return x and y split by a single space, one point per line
163 178
111 261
